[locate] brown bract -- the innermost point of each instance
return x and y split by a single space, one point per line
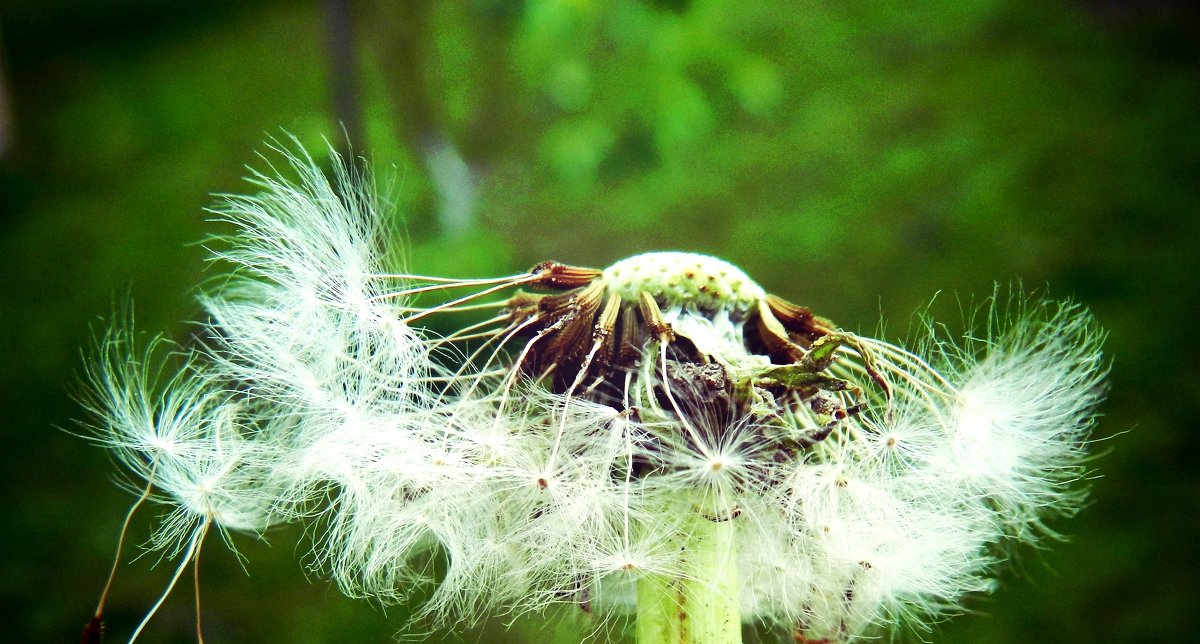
581 334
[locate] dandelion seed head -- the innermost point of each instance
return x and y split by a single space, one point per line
583 440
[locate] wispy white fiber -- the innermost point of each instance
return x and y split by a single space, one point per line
470 484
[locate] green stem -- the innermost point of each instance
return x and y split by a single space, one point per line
702 608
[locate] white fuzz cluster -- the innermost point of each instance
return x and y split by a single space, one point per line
180 430
520 463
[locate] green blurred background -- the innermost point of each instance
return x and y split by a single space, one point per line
855 157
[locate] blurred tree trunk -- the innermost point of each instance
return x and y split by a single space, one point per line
343 74
456 155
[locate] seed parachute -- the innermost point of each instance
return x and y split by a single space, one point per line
661 443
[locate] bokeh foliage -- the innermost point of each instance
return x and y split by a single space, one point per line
856 157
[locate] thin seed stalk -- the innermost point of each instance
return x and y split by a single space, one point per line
703 607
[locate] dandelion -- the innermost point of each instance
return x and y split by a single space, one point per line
661 441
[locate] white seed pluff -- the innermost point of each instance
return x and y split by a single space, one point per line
319 401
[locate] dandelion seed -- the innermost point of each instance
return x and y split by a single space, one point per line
661 440
181 435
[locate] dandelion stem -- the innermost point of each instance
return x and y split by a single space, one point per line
703 607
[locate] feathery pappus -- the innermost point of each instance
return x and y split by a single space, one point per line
660 442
